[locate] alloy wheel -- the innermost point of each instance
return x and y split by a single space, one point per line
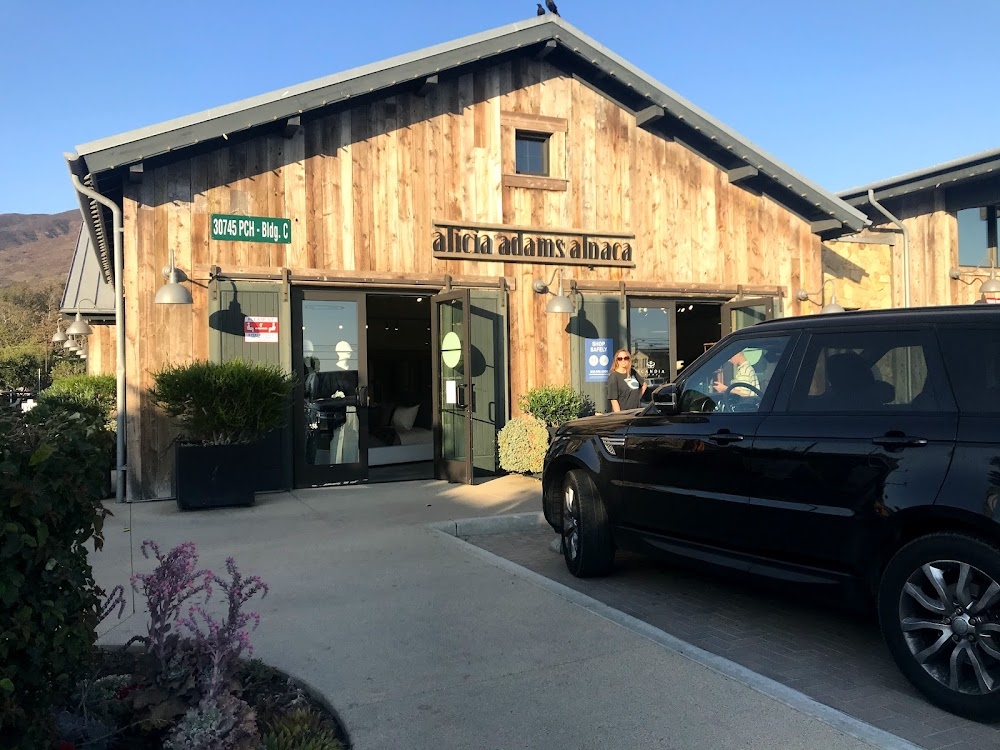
571 522
949 612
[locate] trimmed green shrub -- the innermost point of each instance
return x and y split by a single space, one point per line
221 404
19 366
554 404
51 473
523 442
86 391
66 366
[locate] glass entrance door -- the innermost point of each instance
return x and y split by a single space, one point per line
740 313
329 352
453 395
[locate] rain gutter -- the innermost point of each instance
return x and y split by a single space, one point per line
119 261
906 244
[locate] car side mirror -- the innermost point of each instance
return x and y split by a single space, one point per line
666 399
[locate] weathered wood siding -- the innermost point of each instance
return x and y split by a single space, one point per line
362 187
860 270
101 350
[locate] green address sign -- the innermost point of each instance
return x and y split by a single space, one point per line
251 229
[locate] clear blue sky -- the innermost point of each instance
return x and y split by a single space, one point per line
844 91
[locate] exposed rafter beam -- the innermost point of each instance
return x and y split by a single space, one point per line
741 174
292 125
135 173
649 115
546 49
427 85
826 225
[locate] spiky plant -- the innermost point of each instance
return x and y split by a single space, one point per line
300 729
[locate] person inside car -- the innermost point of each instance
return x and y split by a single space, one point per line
743 372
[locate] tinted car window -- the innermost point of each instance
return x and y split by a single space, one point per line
972 358
853 371
735 379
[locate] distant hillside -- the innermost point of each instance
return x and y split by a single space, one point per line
37 247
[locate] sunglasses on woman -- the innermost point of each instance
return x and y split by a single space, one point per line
624 359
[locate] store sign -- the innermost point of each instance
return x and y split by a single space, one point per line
260 330
489 243
597 355
251 229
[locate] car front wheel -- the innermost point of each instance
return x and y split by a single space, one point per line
939 608
587 544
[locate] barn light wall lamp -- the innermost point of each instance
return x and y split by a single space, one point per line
830 307
560 303
989 290
172 293
79 326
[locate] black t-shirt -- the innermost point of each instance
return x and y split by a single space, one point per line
625 390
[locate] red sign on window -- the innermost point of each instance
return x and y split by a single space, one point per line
260 330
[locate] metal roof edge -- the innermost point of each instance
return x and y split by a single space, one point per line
289 92
126 148
922 179
692 114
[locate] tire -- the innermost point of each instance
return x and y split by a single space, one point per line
587 544
939 610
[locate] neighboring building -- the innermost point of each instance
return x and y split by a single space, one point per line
440 190
950 211
90 295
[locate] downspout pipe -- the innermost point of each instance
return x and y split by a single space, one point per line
117 232
906 244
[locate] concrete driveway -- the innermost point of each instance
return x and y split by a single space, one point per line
420 643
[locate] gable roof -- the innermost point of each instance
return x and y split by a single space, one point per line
85 284
959 173
659 109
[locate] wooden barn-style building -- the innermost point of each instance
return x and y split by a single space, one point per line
431 236
949 212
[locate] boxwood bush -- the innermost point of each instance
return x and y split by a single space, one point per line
88 392
554 404
224 403
523 442
52 467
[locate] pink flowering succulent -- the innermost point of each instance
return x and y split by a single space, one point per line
223 641
175 580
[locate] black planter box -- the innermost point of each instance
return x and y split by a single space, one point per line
216 476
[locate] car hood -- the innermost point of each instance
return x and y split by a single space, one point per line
600 425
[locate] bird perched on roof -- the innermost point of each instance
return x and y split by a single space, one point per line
552 7
541 10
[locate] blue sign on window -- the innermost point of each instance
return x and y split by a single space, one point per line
597 355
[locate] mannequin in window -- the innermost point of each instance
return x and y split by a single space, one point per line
344 448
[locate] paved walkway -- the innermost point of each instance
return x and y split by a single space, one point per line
421 644
827 652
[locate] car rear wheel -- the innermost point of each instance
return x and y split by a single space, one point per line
939 608
587 544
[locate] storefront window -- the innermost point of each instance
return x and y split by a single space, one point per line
649 342
977 236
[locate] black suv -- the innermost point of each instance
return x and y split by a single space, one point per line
857 450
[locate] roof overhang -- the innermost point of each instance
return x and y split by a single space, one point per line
969 181
658 108
86 290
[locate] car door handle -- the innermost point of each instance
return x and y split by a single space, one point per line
895 440
723 437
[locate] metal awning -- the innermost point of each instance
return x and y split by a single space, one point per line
85 283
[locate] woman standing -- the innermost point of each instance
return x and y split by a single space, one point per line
625 387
